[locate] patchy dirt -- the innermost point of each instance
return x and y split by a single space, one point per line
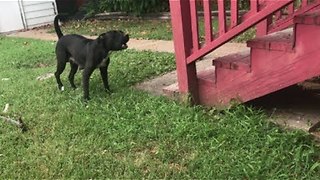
293 107
45 76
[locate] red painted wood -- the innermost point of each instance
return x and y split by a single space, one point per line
222 17
291 8
288 21
253 20
234 13
311 18
254 8
270 71
254 5
194 25
262 27
276 61
304 3
277 71
278 15
279 41
207 21
237 61
180 17
207 77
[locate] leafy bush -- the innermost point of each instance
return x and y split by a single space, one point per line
130 6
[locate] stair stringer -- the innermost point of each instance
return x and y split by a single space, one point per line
270 71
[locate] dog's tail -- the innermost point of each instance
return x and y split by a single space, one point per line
57 27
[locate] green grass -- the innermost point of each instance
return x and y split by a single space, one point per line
131 134
139 29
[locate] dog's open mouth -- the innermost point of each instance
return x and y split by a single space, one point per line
124 46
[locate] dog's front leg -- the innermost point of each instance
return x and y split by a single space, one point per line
104 76
86 77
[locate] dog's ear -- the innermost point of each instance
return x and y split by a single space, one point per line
127 37
101 36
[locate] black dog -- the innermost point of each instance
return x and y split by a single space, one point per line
86 54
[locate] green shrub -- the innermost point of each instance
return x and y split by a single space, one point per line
140 7
136 7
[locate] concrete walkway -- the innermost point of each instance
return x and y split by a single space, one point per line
296 114
137 44
152 45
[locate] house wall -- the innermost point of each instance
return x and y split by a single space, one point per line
38 12
10 16
25 14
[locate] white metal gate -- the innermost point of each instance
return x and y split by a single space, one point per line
37 13
26 14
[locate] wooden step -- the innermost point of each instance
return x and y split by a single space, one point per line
279 41
171 90
207 77
236 61
311 18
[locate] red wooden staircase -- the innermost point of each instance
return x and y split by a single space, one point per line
285 52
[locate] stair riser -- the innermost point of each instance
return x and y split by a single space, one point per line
274 46
264 61
272 68
233 66
271 71
228 76
245 87
307 38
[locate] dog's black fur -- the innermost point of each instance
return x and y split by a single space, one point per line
86 54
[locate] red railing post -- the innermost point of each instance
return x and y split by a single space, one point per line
234 9
183 45
222 17
207 21
262 27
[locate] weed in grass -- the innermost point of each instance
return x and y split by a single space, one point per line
131 134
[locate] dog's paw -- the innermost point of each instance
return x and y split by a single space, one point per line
108 91
61 88
86 103
86 99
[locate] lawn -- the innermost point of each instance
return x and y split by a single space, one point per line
139 29
131 134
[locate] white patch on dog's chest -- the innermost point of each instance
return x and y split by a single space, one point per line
72 59
104 61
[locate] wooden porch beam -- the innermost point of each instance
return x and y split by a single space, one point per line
183 45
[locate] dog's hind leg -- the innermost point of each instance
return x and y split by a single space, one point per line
73 71
61 64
